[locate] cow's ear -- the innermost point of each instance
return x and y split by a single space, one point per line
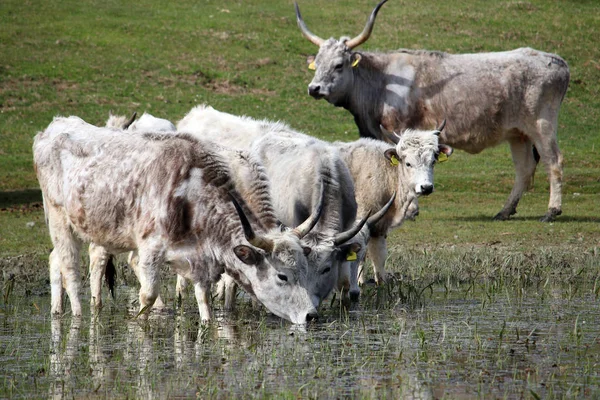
310 60
348 252
447 150
247 254
355 59
392 156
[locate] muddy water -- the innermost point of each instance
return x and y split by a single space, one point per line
463 341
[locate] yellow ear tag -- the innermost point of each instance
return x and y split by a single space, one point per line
351 256
355 63
442 157
394 161
312 66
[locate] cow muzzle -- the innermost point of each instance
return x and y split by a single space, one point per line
424 190
315 91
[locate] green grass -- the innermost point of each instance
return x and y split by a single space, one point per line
87 58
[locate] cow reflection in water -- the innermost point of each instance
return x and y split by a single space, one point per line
61 359
174 356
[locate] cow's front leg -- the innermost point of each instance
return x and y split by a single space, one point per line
202 292
147 271
134 262
98 260
229 292
521 149
180 289
377 251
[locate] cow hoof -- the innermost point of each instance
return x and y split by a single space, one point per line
551 215
502 216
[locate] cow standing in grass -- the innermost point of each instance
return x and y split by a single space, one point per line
172 198
488 98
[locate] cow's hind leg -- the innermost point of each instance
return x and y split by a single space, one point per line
64 263
525 163
547 146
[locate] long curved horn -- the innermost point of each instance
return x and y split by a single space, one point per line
364 35
307 34
391 137
441 127
257 241
343 237
128 123
305 227
379 214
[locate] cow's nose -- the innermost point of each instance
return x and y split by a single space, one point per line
426 189
313 316
314 90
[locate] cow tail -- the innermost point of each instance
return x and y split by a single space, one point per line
110 274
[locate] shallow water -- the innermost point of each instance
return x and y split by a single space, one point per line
459 341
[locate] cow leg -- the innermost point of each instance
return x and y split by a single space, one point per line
547 146
134 262
203 298
56 288
354 288
522 154
344 277
180 289
98 260
64 263
147 272
361 272
230 291
377 251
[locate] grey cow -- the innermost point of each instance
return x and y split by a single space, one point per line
488 98
296 164
172 198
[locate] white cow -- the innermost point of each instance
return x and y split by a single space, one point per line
172 198
378 170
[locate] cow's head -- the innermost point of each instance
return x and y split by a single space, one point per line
276 269
335 60
333 256
415 154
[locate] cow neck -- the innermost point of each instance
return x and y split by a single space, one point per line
364 98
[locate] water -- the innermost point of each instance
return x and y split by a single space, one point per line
459 341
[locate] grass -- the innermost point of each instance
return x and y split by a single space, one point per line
88 59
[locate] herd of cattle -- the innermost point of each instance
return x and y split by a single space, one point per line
286 216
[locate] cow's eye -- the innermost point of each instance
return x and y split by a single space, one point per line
326 270
339 66
282 277
408 165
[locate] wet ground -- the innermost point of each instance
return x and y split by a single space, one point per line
468 340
